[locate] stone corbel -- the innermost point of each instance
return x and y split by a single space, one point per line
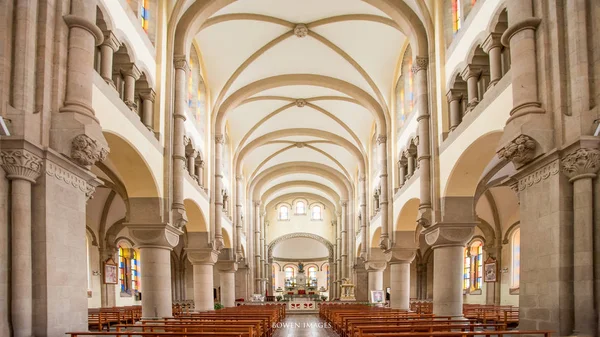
227 266
202 256
520 151
86 151
400 255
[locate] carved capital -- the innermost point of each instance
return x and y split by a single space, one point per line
130 69
454 234
454 95
186 140
227 266
179 217
21 164
301 103
147 94
110 40
239 177
300 145
257 203
492 41
220 139
581 164
375 266
421 63
520 151
400 255
470 71
155 235
199 256
86 151
381 139
344 203
180 62
301 30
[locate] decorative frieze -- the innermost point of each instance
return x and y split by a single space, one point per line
520 151
86 151
421 63
60 173
541 174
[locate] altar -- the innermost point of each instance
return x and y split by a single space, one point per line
302 304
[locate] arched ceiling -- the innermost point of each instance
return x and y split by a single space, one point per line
348 41
300 86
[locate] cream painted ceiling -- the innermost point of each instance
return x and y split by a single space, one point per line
348 40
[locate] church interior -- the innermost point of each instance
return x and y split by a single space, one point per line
361 167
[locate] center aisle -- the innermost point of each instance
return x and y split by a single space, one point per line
304 326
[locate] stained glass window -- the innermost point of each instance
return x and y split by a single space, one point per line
456 15
515 259
197 93
467 270
312 276
123 270
289 275
273 275
300 207
145 14
477 253
316 213
404 91
284 213
135 272
410 94
328 277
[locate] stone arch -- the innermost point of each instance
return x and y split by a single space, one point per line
282 238
226 238
407 218
335 197
299 195
376 237
338 140
344 185
103 19
509 232
92 236
236 98
132 168
465 175
196 219
499 21
125 239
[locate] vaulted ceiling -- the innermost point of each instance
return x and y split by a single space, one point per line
253 40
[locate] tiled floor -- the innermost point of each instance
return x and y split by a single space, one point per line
304 326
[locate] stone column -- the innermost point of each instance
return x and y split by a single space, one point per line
191 161
25 40
344 237
109 46
178 214
363 215
22 169
493 47
148 96
384 242
155 242
581 167
257 246
520 37
227 271
419 70
448 242
238 214
203 260
454 97
375 273
400 260
131 73
200 172
471 74
402 171
410 158
218 235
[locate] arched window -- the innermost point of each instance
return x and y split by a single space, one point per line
123 270
477 256
456 15
135 271
145 15
300 207
515 274
328 276
404 91
289 276
284 213
467 270
312 276
197 93
316 213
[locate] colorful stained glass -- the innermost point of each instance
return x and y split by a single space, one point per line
123 270
516 259
467 271
410 94
328 277
135 272
456 15
145 14
477 253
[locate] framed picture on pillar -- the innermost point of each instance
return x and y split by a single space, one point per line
377 296
490 270
110 272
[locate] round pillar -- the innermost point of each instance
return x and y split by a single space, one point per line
400 285
156 282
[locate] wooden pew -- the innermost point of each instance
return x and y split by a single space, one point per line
461 333
156 334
